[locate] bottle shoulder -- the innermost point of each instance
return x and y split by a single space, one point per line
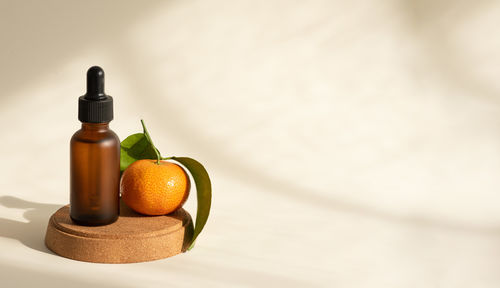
107 135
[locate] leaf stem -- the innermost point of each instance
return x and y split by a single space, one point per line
146 133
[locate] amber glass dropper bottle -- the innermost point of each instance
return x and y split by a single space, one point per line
95 158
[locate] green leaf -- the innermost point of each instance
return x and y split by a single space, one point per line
135 147
204 193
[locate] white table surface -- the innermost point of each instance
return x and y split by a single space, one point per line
350 143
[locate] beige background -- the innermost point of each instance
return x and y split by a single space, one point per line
350 143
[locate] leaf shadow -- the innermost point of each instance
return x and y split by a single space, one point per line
59 35
31 233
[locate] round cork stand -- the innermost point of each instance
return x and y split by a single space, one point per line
132 238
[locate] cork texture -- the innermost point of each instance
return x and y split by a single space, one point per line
132 238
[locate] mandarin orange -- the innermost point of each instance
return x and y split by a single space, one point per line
154 189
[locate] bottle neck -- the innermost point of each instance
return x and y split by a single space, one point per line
95 126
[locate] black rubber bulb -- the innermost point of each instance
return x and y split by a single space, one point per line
95 106
95 83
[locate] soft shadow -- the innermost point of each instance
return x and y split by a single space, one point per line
32 233
431 21
13 276
192 139
40 36
233 274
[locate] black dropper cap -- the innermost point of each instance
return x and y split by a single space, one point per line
95 106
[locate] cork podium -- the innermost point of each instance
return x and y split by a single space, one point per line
132 238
